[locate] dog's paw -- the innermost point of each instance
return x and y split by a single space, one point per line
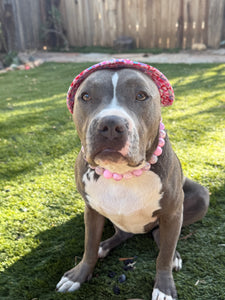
164 288
66 285
158 295
177 262
72 280
102 253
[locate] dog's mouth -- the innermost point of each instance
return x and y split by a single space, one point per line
109 155
115 161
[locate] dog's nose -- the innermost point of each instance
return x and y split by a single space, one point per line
112 127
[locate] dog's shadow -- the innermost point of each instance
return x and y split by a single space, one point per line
36 274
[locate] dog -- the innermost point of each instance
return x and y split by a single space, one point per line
127 170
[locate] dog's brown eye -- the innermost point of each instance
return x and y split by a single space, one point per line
141 96
86 97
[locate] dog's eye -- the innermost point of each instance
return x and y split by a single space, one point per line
141 96
86 97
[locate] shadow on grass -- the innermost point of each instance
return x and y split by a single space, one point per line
35 275
49 111
36 137
38 272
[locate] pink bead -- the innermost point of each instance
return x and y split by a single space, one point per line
161 142
137 172
146 167
117 177
127 175
161 126
99 170
158 151
107 174
162 133
153 159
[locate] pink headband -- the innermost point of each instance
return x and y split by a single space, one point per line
165 89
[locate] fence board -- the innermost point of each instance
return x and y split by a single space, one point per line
104 35
120 18
131 9
188 21
164 8
111 20
223 26
158 38
150 25
215 22
200 22
89 21
143 42
81 22
174 11
68 15
205 32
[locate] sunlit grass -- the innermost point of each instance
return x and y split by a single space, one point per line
41 216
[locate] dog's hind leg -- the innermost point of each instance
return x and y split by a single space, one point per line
107 245
196 201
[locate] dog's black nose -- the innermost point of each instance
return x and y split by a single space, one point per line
112 127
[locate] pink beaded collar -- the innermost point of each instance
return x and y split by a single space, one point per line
137 172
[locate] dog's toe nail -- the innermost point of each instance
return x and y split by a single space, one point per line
74 287
61 282
65 287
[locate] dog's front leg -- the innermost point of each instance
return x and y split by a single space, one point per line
170 226
71 280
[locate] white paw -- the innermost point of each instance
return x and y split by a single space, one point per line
177 264
157 295
66 285
102 253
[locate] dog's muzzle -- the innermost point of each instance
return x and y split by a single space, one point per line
111 141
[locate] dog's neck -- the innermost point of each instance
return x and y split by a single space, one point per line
137 172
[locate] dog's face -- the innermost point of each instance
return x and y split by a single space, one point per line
117 115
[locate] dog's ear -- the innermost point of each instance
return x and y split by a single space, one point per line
165 88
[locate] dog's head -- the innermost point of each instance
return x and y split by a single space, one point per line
117 115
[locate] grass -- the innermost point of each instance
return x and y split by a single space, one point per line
41 215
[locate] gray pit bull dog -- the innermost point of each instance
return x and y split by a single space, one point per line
127 170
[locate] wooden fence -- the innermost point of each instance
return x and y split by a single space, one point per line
20 24
151 23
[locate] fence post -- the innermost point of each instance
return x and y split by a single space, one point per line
180 31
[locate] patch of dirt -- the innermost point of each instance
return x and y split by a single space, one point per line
187 57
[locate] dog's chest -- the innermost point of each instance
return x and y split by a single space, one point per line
129 204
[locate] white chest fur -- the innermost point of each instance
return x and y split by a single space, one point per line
129 204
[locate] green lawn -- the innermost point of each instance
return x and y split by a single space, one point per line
41 215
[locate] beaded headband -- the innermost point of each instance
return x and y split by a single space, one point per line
165 89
